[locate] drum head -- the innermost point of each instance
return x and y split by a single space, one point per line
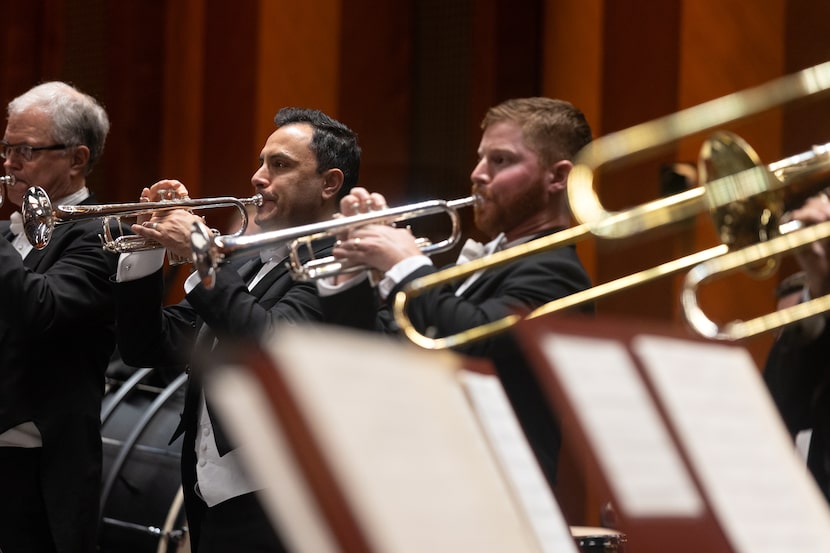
142 509
594 539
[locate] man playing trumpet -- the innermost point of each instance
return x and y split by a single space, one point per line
307 163
525 156
56 330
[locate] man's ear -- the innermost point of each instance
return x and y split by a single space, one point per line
556 179
332 182
80 159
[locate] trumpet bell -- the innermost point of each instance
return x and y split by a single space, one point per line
38 217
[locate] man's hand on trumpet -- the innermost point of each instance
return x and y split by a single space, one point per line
374 245
172 228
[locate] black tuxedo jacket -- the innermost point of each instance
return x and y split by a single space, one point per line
166 339
513 288
797 374
56 338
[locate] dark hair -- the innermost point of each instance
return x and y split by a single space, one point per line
334 144
554 129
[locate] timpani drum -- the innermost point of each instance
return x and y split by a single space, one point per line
592 539
141 501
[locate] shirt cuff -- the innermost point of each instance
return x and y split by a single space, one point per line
136 265
192 282
326 286
400 271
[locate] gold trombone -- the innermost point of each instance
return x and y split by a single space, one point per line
736 189
40 217
210 250
734 261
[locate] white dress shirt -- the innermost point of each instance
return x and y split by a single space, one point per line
218 478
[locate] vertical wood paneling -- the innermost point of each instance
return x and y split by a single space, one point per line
572 71
375 90
298 59
132 93
184 85
228 146
639 83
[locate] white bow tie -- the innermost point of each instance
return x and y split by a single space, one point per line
471 250
16 223
474 250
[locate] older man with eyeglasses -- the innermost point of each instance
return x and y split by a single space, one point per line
56 330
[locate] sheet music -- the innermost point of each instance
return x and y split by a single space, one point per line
760 492
245 412
623 426
398 434
518 462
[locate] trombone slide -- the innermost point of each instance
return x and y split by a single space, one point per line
738 260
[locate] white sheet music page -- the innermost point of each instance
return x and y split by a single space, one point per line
518 462
402 441
246 414
623 427
714 396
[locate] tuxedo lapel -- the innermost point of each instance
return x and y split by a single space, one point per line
269 279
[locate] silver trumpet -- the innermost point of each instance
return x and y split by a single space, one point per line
209 250
40 217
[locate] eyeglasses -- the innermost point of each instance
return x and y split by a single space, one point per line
25 150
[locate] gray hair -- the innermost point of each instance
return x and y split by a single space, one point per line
77 118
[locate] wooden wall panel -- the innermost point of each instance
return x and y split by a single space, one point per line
375 92
572 71
31 51
639 83
182 113
298 45
111 51
229 146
